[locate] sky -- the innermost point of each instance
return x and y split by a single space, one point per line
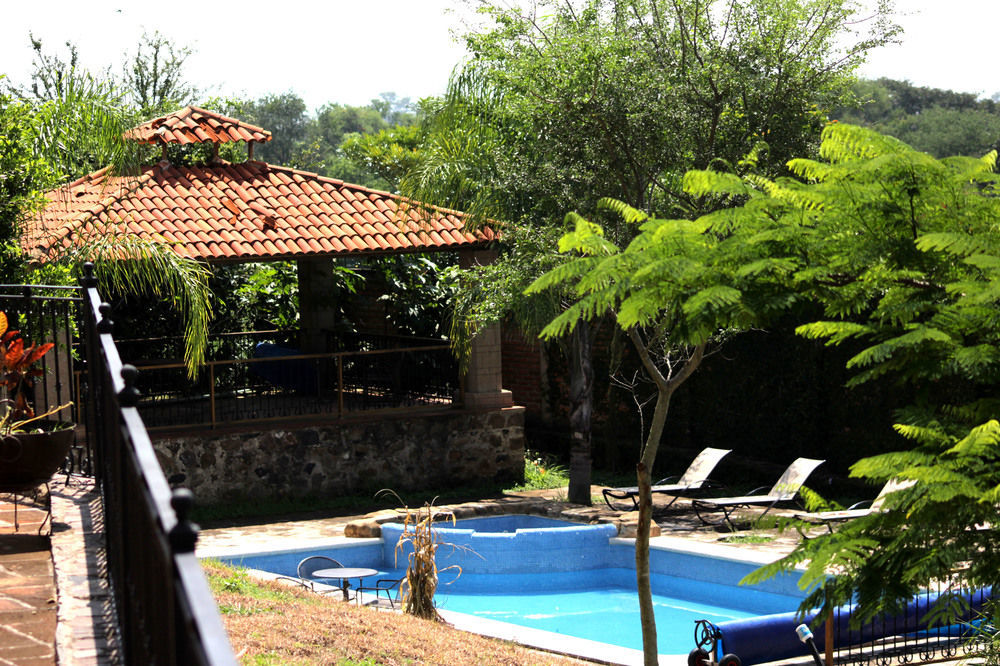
350 51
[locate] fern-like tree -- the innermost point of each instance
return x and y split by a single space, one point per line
903 252
677 290
69 123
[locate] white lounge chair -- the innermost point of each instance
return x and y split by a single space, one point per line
785 490
693 480
830 518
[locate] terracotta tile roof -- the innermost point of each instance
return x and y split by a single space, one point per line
195 125
243 212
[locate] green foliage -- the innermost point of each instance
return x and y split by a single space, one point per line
984 643
389 153
23 177
541 472
286 118
234 579
127 264
902 255
747 538
419 291
253 297
153 77
365 145
76 120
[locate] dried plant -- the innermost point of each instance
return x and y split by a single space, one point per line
421 570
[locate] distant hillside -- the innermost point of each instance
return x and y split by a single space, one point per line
940 122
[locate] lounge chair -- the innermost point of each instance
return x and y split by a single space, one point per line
305 572
863 508
693 480
784 490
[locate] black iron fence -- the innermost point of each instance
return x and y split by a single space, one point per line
272 381
165 610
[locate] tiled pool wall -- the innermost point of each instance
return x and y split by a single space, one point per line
551 547
720 564
539 559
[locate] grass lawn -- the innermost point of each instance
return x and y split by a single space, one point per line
270 624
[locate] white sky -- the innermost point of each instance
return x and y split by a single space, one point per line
349 51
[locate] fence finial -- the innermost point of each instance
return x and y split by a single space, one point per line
129 396
105 325
184 534
89 280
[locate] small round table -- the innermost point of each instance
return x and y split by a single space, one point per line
343 573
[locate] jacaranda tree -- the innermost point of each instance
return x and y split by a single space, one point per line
903 252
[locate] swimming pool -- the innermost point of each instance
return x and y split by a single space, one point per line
570 579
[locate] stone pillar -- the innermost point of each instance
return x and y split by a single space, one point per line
317 303
483 382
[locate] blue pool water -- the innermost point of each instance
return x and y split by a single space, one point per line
566 578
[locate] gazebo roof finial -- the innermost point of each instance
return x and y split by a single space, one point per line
193 124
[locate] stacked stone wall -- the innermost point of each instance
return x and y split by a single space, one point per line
403 452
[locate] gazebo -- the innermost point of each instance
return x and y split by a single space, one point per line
221 212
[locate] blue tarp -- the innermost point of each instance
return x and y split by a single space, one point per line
297 375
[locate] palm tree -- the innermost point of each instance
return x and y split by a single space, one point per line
75 127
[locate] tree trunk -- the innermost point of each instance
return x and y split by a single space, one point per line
665 387
643 470
645 590
581 386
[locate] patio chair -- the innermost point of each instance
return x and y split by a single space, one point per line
693 480
392 587
863 508
308 566
785 490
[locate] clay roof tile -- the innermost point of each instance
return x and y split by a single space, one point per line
250 210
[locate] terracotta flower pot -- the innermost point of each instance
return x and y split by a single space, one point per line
28 460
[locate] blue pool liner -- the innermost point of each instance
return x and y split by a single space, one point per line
772 637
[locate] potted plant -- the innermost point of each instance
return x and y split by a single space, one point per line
31 448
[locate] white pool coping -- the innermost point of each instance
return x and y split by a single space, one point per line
535 638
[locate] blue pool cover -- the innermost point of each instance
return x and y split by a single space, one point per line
771 637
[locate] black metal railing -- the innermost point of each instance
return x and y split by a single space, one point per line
278 383
52 314
899 638
165 609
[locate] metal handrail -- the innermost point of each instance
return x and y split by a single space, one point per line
171 404
166 611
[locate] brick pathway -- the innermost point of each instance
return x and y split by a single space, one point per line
55 607
27 589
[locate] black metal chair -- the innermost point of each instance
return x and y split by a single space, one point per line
311 564
392 587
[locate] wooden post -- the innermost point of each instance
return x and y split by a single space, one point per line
211 390
340 385
829 639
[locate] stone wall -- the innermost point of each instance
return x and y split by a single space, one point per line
402 452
